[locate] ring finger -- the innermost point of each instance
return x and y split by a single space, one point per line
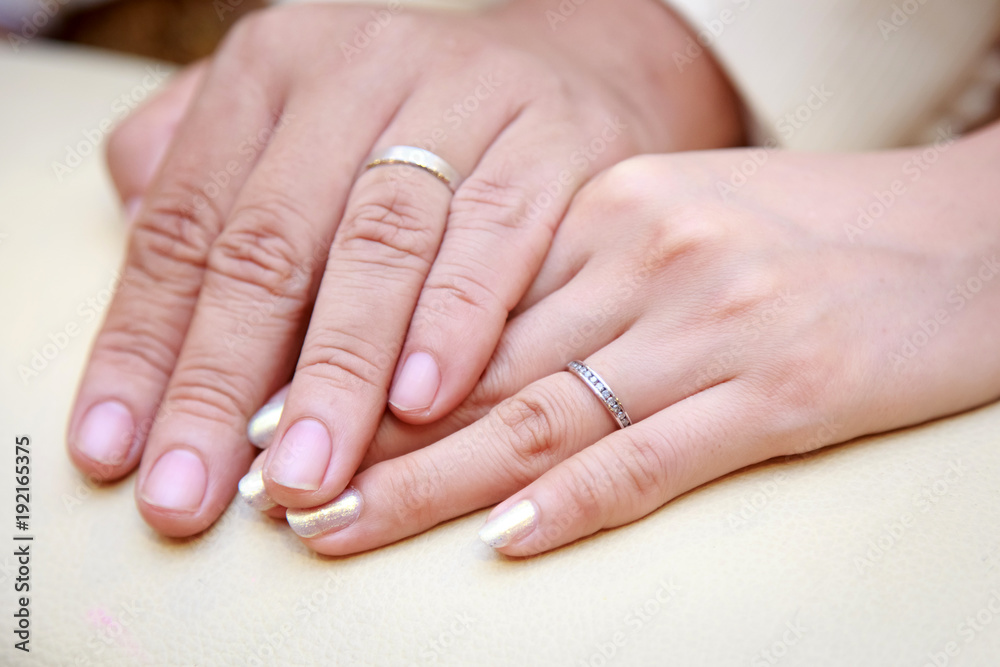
523 437
380 257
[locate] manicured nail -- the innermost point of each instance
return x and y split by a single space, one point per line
519 520
106 433
132 207
302 456
261 427
177 482
339 513
417 384
253 493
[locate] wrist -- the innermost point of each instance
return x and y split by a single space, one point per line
631 45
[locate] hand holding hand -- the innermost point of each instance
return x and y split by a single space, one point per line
261 248
732 331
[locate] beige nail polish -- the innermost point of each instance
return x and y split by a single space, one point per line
253 492
261 427
519 520
339 513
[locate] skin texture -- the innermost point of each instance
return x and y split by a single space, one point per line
259 249
736 324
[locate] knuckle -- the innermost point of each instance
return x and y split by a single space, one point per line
253 30
492 388
393 233
586 484
256 250
688 231
528 426
169 236
643 464
692 227
412 488
138 347
745 303
209 389
816 381
627 184
750 297
491 203
257 47
451 297
344 361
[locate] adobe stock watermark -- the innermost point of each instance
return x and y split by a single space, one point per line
580 160
420 490
599 313
710 32
87 311
459 626
92 137
111 628
365 34
451 120
460 111
752 504
957 298
562 13
966 632
31 25
247 151
913 170
764 317
800 116
892 533
635 620
772 654
787 127
257 312
269 648
223 7
897 19
991 559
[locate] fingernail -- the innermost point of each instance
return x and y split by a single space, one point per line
417 384
519 520
302 456
253 492
261 427
106 432
339 513
132 206
177 482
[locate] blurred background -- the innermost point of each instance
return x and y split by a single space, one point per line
179 31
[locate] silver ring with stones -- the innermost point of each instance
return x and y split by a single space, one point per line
601 389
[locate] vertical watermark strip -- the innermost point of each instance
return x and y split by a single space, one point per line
22 542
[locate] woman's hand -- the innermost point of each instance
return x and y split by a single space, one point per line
260 248
737 319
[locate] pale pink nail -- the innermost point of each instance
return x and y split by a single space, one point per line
105 434
417 384
302 456
177 482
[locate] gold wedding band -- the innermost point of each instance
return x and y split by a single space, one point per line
416 157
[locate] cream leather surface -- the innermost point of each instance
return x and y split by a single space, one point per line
879 552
